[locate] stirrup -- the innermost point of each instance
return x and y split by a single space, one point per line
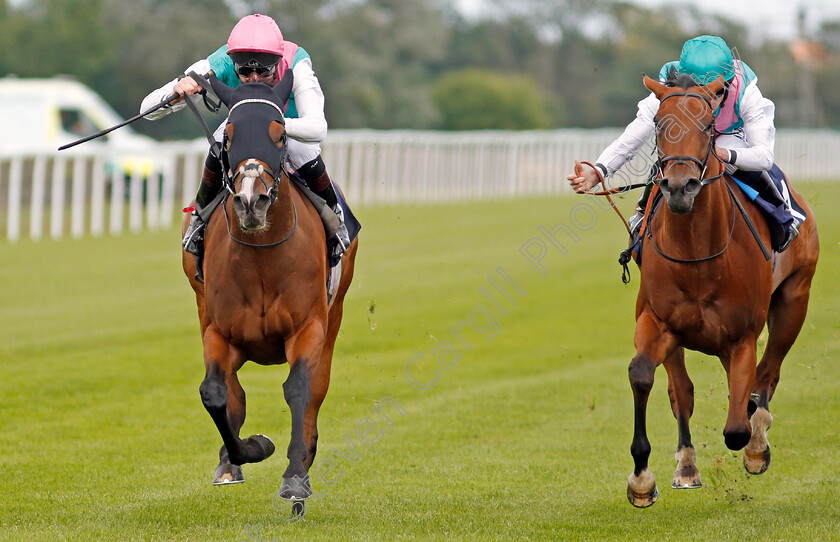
792 233
635 223
193 241
341 241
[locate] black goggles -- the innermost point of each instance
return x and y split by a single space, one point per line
261 71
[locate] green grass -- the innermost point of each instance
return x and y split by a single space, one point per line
103 435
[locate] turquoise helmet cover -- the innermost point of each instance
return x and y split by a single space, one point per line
707 57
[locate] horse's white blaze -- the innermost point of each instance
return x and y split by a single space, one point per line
249 177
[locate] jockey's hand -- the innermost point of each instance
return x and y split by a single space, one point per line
584 178
723 154
186 86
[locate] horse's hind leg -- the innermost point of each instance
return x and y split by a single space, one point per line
788 308
681 393
224 399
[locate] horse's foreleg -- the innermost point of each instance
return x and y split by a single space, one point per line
304 349
740 371
224 399
681 393
652 347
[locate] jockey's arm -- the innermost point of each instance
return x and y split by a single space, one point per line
637 133
757 112
176 85
311 125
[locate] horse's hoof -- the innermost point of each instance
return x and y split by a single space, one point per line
642 500
687 478
641 489
228 473
296 488
757 462
260 446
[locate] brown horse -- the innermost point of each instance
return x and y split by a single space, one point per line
264 296
706 286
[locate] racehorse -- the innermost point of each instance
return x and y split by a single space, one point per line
264 296
707 286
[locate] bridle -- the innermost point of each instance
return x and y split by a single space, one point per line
692 160
703 164
253 168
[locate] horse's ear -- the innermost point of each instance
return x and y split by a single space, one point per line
284 87
223 91
655 86
715 86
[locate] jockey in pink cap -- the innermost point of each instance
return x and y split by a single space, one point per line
257 52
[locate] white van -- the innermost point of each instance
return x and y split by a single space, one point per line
39 115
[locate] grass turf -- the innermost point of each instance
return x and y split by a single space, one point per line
526 437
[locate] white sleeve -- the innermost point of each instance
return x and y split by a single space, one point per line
156 96
637 133
311 125
758 113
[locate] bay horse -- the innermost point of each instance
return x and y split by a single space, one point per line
706 286
264 294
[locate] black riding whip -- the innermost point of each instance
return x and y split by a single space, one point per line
169 99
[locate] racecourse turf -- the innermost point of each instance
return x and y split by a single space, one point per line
525 435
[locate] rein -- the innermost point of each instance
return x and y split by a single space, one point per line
698 260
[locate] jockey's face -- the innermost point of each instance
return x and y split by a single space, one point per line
717 99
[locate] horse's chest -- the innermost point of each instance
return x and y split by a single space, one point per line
708 325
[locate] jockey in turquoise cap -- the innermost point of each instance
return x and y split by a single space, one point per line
706 58
743 121
257 52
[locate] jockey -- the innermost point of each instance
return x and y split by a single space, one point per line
257 52
743 121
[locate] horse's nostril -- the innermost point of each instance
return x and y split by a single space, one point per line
693 186
239 203
261 203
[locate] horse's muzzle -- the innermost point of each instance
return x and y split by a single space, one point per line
252 211
680 193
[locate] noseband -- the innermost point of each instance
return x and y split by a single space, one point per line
690 160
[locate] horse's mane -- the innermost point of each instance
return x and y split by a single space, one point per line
678 79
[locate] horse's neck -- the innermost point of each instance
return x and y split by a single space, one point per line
704 230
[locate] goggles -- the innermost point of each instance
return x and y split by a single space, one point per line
261 71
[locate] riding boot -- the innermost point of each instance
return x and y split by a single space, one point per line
774 206
635 221
773 195
193 241
316 177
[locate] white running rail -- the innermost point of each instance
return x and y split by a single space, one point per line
79 192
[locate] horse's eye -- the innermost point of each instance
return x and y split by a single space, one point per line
228 136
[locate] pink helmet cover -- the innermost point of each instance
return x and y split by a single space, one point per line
258 33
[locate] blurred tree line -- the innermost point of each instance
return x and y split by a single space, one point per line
530 64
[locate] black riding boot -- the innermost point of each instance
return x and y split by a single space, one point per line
761 182
211 182
316 177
